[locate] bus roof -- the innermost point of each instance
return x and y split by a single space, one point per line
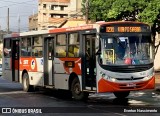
78 28
39 32
70 29
12 35
120 22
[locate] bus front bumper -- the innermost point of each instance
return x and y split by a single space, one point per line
107 86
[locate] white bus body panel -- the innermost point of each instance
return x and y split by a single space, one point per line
7 71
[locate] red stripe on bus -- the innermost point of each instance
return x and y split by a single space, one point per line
76 69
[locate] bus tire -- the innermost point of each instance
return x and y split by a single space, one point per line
26 86
76 91
122 94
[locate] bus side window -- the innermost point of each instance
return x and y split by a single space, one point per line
61 51
76 51
26 48
61 45
7 48
73 51
37 46
73 47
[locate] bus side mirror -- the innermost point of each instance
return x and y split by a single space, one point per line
110 40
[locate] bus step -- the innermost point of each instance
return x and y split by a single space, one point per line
92 91
49 86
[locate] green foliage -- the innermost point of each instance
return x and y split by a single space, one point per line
151 12
147 11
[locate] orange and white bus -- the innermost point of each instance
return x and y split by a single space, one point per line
103 57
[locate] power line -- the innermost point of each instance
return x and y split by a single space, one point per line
14 16
24 3
11 2
21 14
57 21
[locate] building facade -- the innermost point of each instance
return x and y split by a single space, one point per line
55 13
33 22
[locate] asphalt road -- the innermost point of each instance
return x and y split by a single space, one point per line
12 96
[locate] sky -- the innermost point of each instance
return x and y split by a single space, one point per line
17 8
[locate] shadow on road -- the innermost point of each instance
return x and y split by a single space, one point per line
6 86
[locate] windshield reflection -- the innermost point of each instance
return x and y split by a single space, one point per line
129 50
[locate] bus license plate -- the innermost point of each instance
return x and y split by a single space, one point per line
131 85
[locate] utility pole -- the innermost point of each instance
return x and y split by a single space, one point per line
19 24
87 10
8 21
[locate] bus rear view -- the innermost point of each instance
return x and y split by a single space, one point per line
125 58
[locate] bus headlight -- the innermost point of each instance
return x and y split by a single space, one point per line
106 77
148 77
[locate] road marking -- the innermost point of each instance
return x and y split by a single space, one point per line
12 92
7 83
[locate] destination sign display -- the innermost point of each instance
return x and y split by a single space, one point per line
125 29
129 29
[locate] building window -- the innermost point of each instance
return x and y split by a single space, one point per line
52 7
44 6
51 15
44 14
62 8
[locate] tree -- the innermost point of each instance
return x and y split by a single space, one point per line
147 11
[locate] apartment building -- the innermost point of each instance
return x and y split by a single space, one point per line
55 13
33 22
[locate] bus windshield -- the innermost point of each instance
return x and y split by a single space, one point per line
127 50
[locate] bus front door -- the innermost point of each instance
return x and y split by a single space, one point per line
89 61
49 61
15 60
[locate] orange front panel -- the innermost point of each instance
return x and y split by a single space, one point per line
107 86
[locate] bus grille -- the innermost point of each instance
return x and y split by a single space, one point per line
129 79
128 69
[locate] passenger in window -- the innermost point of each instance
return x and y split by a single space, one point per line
76 51
61 52
6 52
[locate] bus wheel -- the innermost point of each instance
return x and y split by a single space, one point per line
26 86
76 90
122 94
